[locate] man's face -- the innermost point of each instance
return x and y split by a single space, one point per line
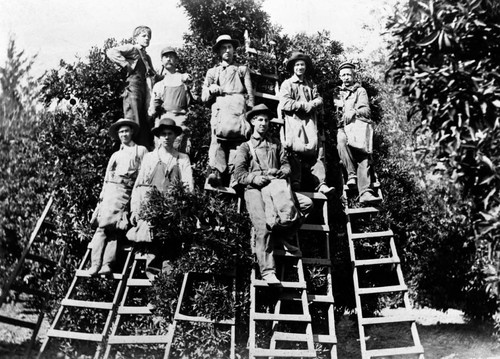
260 124
299 68
167 137
125 134
143 39
169 60
226 51
346 76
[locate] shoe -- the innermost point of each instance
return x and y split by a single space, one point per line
214 179
325 189
271 279
151 276
351 182
105 270
369 198
293 250
92 271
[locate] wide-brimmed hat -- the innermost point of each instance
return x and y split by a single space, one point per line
225 38
168 123
167 50
113 129
297 55
346 65
258 109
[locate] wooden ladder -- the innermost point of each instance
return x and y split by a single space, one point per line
11 284
69 303
394 262
328 337
180 317
289 291
125 311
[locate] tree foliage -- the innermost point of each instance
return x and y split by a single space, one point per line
446 57
209 19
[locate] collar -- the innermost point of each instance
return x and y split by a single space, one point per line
260 138
130 145
225 65
296 79
351 88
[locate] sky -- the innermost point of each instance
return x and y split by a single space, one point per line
65 29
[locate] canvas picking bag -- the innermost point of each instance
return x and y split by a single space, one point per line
360 136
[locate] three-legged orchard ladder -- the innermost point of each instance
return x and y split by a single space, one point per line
12 281
75 307
128 311
392 284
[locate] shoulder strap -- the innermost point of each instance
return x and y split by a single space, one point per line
253 154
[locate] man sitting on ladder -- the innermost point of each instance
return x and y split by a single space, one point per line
258 163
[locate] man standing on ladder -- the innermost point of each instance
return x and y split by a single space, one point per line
229 88
257 163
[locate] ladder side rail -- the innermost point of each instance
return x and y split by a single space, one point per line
20 262
177 312
114 306
61 307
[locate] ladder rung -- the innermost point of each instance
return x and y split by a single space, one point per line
138 339
318 261
314 195
219 189
134 310
17 322
263 283
87 304
310 297
285 253
283 353
254 72
291 337
282 317
28 290
193 318
84 274
325 339
138 282
395 351
40 259
387 320
277 121
376 290
362 210
388 233
315 227
93 337
369 262
317 298
266 95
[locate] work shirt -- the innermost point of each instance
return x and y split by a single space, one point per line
233 79
301 127
160 174
132 55
354 98
123 166
270 154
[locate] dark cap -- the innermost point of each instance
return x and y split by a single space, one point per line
167 50
346 65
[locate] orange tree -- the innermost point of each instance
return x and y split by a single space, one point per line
446 58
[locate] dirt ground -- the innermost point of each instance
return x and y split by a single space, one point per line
443 335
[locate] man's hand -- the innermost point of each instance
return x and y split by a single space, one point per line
133 219
261 181
280 174
272 171
214 89
307 106
348 116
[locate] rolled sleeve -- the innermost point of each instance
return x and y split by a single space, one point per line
209 80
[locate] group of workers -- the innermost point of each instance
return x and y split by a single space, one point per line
241 152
